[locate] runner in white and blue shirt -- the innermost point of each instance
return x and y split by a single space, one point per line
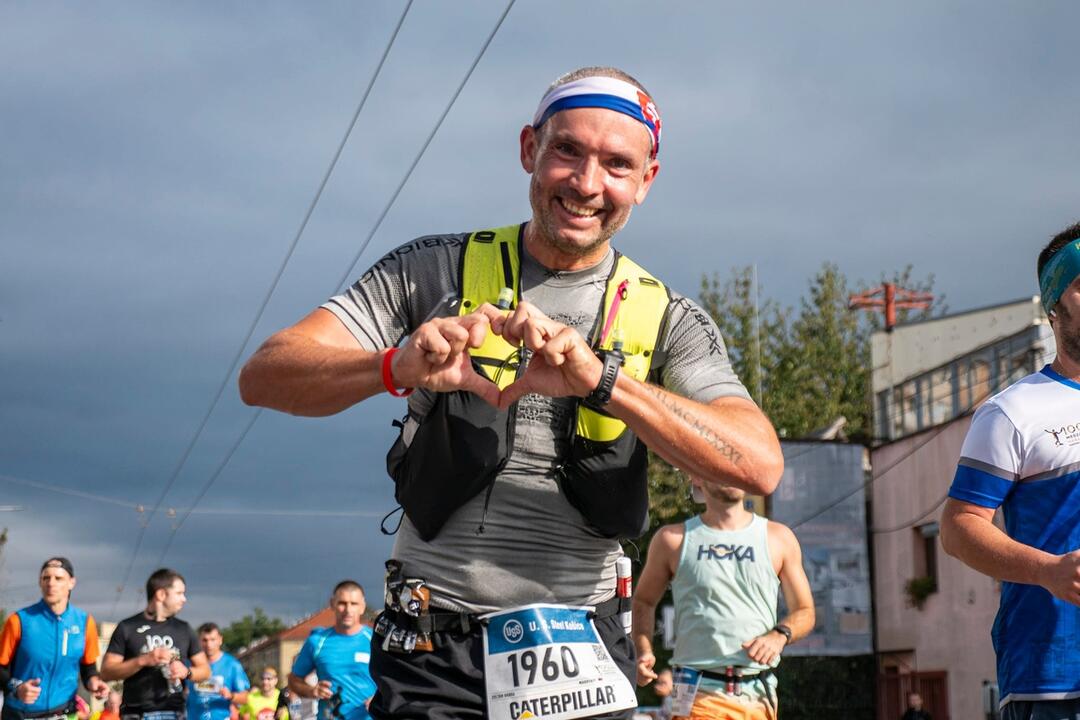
1022 454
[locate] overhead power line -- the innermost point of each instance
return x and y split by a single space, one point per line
206 486
356 258
931 435
915 520
423 149
262 308
140 507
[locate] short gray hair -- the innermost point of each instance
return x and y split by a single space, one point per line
597 71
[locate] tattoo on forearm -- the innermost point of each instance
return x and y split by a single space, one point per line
718 443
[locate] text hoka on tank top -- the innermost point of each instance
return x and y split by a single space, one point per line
725 591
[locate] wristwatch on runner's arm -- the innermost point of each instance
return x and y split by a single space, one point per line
601 396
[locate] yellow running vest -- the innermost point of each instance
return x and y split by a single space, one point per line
463 443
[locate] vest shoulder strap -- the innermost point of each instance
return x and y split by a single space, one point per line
635 305
489 262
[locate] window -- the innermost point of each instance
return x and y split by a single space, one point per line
926 563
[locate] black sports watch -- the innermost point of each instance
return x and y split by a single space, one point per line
785 631
601 395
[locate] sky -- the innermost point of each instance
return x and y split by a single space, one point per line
157 160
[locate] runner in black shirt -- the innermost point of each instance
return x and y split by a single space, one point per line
154 652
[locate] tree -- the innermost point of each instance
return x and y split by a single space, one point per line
823 365
811 367
249 628
751 341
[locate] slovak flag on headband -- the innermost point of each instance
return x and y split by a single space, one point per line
603 92
648 109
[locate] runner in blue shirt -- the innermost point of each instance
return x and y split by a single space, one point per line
227 685
1022 455
339 656
46 648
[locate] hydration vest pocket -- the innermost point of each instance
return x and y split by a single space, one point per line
607 482
454 454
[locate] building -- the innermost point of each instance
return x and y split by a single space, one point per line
821 498
927 373
933 614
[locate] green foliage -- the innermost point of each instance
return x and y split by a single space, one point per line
810 688
250 628
751 344
918 590
812 365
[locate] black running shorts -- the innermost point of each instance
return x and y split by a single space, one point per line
447 683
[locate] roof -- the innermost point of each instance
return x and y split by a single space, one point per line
948 316
299 631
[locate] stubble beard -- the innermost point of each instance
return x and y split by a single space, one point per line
726 495
1069 334
543 216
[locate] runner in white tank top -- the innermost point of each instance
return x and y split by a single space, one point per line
725 567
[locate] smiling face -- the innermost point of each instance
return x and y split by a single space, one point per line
589 167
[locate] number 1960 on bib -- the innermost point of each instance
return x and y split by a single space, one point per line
547 661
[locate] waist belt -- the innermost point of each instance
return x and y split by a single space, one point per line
56 713
447 621
743 677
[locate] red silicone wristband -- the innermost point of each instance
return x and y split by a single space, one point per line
388 377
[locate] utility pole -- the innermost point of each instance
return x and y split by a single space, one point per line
887 298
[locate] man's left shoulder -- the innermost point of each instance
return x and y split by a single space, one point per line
781 533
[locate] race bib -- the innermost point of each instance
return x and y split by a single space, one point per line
547 661
685 683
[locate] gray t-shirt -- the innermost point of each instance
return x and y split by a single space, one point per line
535 546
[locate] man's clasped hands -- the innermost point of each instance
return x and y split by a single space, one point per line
436 356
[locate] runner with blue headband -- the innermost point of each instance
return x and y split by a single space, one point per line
1022 455
1058 274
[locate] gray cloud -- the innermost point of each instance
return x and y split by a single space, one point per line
158 160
